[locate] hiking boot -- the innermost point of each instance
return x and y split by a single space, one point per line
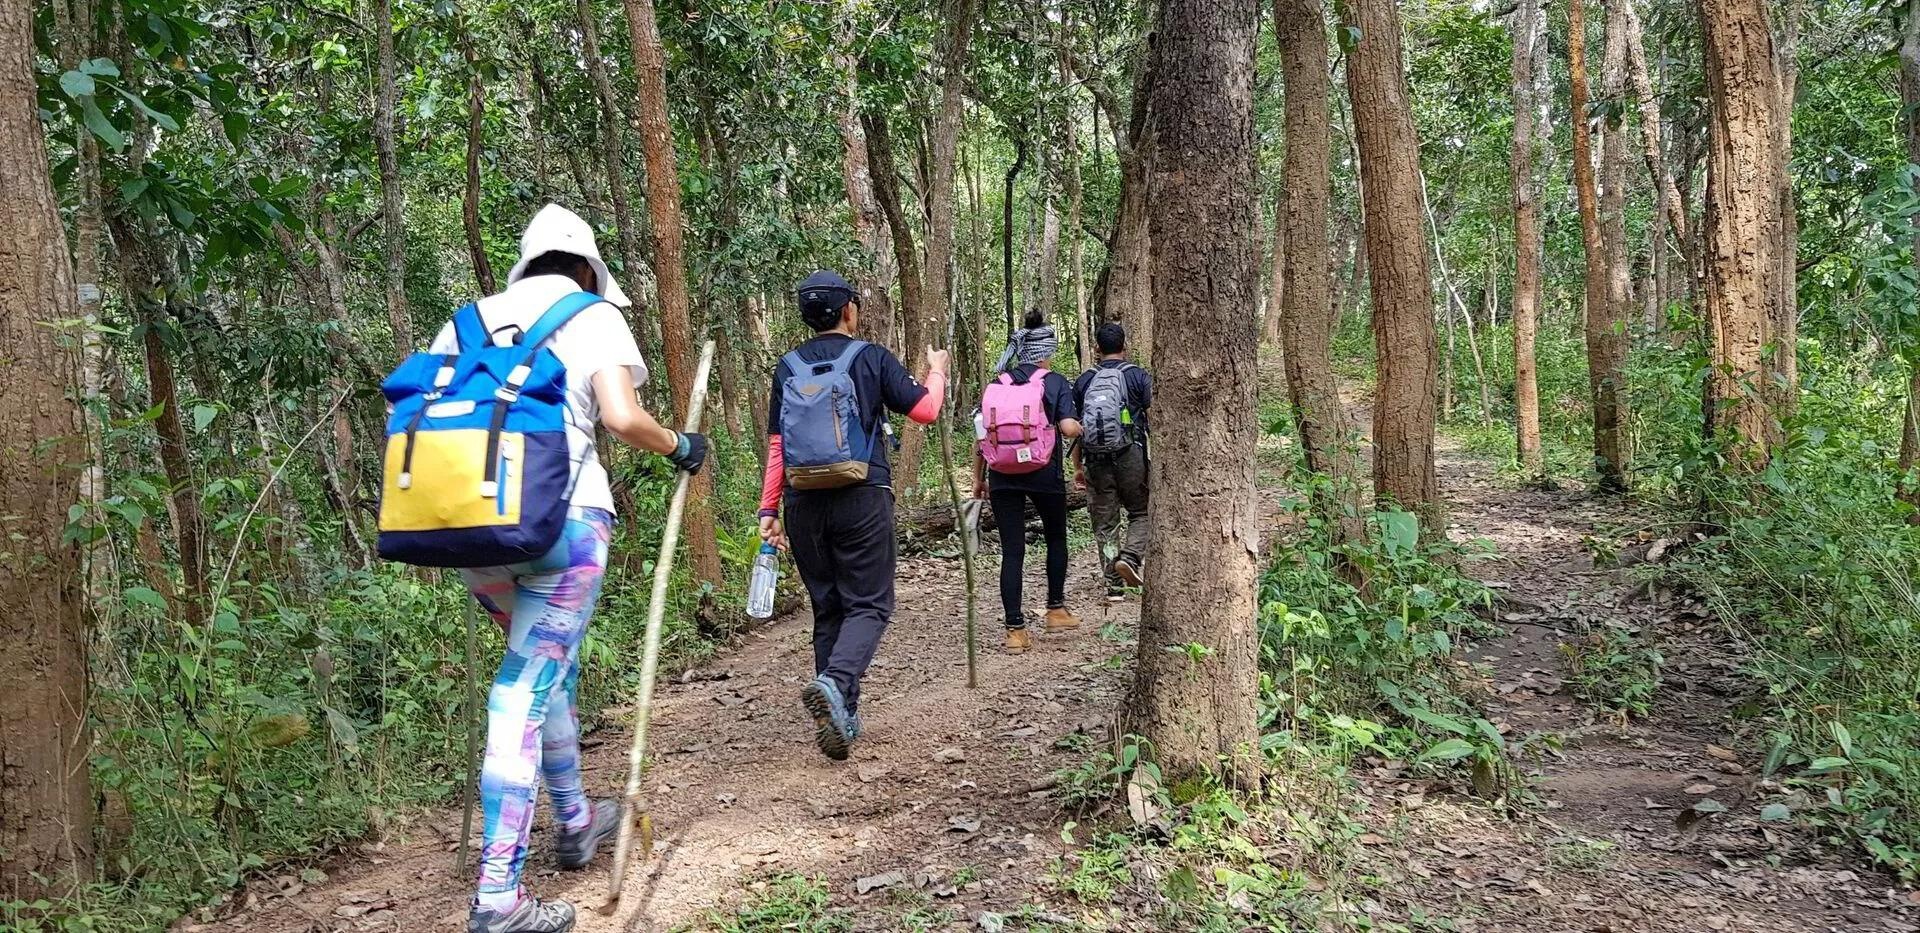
1019 641
1127 568
1060 620
532 916
833 730
1116 591
853 726
576 848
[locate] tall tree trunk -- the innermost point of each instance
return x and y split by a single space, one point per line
1076 254
1194 694
612 154
1006 234
1909 488
1302 307
1276 277
669 261
76 44
393 197
1742 268
1129 297
1047 290
1667 195
878 266
46 806
1602 372
470 199
1397 266
1785 323
943 156
1530 107
913 313
1607 330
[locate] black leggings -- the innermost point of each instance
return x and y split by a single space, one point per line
1010 516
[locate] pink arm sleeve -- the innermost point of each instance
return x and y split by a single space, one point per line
774 481
928 407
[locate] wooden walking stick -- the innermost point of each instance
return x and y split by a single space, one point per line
632 803
959 518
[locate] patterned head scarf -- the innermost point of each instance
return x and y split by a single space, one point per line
1029 346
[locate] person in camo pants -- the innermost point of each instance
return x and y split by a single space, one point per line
1117 481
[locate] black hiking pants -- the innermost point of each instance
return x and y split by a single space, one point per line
843 545
1010 516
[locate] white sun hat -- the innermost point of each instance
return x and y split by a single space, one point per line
556 229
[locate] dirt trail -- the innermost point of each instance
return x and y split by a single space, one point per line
939 799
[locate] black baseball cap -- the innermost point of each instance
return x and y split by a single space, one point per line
825 291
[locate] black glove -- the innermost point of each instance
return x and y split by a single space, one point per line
691 454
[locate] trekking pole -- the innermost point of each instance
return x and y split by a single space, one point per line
959 518
473 689
632 801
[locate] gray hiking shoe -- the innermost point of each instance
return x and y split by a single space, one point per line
532 916
575 850
832 729
1127 568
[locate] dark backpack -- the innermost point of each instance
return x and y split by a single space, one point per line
821 438
1106 413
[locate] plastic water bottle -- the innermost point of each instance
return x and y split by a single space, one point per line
766 576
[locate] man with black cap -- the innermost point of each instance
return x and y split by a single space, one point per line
827 458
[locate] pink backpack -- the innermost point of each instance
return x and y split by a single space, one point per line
1017 437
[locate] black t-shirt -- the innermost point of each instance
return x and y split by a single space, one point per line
1139 392
880 384
1060 406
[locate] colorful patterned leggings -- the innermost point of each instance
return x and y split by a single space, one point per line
532 730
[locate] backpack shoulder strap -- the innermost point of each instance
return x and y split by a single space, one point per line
469 329
844 361
557 317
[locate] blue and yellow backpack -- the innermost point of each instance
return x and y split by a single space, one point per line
477 470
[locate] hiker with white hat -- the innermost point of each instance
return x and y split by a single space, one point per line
544 605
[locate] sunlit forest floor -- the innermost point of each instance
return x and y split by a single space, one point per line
948 816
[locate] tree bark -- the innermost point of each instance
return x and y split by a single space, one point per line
1607 330
654 125
1194 695
1531 100
46 805
1742 268
878 266
1397 264
1908 484
393 197
1302 305
612 153
470 199
1129 297
943 156
1006 233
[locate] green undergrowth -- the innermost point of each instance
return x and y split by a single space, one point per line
296 721
786 902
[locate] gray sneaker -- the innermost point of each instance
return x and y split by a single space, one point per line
532 916
832 730
575 850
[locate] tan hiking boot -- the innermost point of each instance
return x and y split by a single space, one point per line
1019 641
1060 620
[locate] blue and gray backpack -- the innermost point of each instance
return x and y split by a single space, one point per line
477 470
821 437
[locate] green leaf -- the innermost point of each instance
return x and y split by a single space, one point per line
343 731
143 596
77 84
161 120
1842 737
203 415
1432 718
1828 763
1449 750
1399 532
100 68
1776 813
101 127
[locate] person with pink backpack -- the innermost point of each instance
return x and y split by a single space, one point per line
1025 413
